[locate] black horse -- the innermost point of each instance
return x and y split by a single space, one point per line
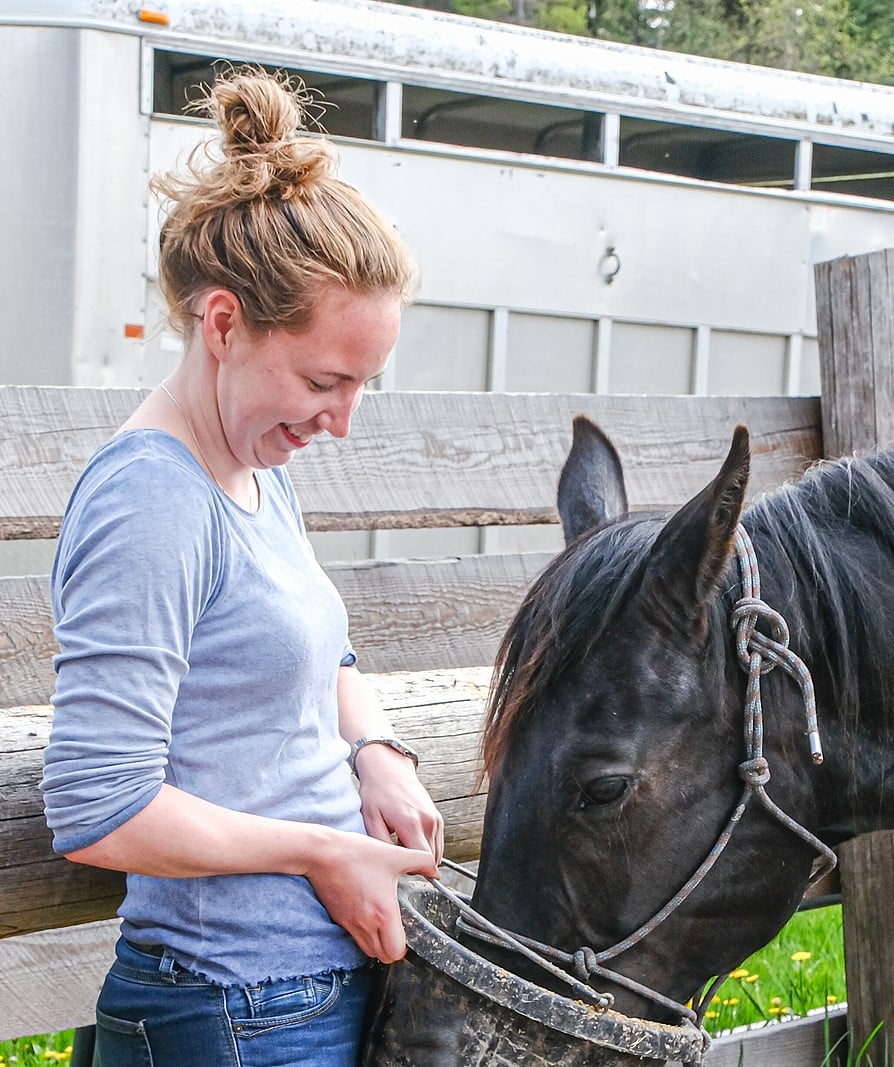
658 797
622 723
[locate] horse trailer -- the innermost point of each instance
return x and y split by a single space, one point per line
588 216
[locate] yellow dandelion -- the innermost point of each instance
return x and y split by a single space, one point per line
831 999
775 1010
731 1002
752 978
740 972
712 1014
799 957
715 999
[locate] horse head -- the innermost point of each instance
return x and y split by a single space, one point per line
614 739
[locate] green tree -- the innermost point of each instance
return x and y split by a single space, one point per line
620 20
816 37
495 10
703 28
563 16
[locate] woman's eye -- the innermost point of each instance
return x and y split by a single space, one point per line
318 387
602 791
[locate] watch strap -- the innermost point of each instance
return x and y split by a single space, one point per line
380 739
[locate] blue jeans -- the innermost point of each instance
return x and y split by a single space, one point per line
153 1013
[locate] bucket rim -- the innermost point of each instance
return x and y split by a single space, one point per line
574 1018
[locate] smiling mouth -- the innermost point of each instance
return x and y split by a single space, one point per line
293 431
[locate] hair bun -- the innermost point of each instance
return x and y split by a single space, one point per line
260 212
260 119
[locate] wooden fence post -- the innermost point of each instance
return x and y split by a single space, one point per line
867 877
855 324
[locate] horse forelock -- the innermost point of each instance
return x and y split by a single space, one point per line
562 618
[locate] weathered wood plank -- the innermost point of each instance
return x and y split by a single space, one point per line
27 645
49 981
438 712
412 615
429 459
405 615
800 1043
867 875
855 326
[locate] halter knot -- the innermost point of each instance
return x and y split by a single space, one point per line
755 772
750 641
585 963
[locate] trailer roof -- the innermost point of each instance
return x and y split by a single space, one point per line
416 42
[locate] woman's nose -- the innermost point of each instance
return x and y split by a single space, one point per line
339 415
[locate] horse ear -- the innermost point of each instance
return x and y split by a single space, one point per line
591 485
692 553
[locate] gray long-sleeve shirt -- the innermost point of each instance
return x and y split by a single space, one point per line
199 646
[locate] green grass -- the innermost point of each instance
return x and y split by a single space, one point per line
800 970
34 1051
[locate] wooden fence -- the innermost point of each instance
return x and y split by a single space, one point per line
426 629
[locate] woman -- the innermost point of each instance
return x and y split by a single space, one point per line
207 698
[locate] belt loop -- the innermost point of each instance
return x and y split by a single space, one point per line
167 967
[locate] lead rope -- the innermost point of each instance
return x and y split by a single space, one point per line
757 654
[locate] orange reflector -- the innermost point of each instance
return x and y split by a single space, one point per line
157 18
133 329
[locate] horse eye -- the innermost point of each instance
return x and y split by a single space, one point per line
606 790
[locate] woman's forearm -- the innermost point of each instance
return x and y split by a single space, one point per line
178 835
359 711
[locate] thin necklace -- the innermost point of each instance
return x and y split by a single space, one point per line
202 456
254 494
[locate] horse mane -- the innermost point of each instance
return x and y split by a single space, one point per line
800 532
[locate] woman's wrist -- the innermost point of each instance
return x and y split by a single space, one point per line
381 741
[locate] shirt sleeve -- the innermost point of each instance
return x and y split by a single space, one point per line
134 570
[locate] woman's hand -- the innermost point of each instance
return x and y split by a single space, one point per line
394 801
355 878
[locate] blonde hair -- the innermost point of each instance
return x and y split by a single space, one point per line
268 219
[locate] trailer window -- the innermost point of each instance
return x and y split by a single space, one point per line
346 108
853 171
708 154
501 125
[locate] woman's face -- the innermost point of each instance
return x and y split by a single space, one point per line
277 391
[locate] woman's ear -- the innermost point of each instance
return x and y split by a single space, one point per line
221 322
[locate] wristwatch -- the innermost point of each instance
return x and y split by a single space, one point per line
380 739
